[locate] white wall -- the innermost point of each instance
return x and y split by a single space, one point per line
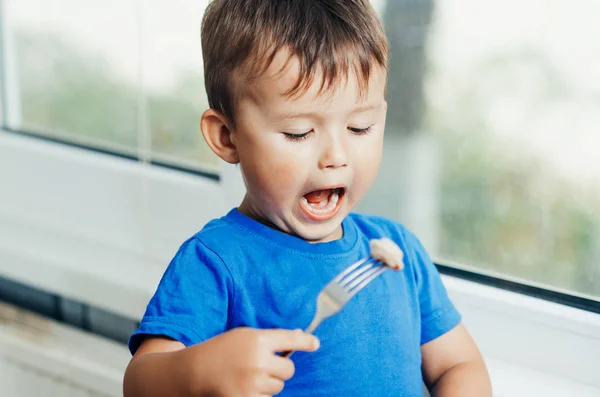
80 224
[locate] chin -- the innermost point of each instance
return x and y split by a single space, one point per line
319 234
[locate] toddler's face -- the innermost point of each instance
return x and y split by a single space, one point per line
308 160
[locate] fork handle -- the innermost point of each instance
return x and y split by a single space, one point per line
316 321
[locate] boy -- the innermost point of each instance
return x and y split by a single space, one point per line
297 99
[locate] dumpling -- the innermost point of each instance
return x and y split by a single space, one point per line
388 252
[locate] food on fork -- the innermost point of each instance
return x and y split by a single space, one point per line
386 251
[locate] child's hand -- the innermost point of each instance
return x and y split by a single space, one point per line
244 361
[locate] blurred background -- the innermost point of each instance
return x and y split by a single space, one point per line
491 154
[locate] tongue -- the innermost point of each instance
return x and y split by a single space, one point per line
317 196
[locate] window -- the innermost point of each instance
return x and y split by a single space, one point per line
490 153
492 136
122 76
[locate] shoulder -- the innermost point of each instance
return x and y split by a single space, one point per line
204 248
219 233
222 244
373 226
216 232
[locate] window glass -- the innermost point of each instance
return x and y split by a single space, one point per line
174 80
121 75
76 66
491 148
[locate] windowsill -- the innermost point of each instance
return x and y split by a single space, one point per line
52 350
61 352
77 268
511 380
517 334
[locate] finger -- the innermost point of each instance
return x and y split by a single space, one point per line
282 340
272 386
281 368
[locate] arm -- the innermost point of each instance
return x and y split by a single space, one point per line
241 362
453 366
152 370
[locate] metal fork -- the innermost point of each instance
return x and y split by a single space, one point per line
341 289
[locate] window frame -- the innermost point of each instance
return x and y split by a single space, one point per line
521 286
2 77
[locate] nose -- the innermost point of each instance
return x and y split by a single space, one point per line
334 154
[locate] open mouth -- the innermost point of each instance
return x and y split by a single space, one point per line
321 205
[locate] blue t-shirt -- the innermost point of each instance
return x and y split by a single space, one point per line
238 272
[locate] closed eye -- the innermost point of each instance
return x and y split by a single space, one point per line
360 131
296 137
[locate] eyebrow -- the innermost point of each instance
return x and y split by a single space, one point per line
303 115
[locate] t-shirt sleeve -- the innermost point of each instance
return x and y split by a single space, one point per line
438 313
191 303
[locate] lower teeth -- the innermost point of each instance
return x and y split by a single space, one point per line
325 208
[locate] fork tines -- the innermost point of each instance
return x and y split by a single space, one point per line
359 274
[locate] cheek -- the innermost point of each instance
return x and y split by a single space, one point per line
273 175
368 163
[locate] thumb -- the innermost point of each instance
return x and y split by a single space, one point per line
286 340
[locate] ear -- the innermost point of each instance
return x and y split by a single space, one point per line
219 135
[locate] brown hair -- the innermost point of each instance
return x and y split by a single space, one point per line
243 36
